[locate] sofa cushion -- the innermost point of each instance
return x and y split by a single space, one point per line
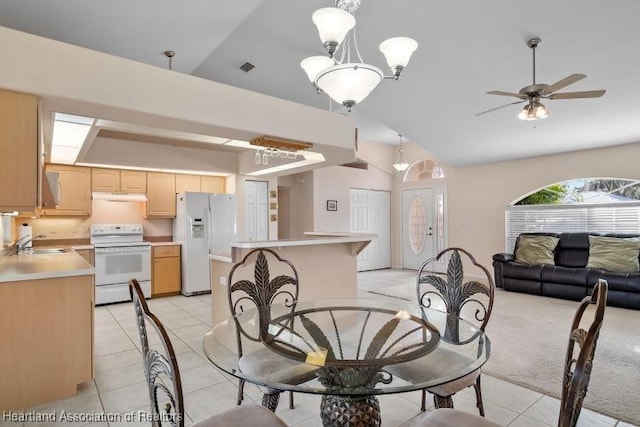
573 249
522 271
614 254
625 282
569 276
536 249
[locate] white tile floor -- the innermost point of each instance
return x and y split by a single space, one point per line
119 386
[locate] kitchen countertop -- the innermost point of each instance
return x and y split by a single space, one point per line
43 266
311 238
165 243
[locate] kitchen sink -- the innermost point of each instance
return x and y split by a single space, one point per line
45 251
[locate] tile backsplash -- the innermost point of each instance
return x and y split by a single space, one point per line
103 212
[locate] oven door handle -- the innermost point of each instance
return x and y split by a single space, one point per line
140 249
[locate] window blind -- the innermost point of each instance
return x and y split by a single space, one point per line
605 218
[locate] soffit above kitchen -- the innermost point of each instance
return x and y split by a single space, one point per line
113 90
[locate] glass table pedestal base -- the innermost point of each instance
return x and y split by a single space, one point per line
349 411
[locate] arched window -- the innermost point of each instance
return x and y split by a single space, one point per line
423 170
601 205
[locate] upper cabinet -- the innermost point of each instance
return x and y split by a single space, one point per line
133 181
116 181
205 184
18 152
212 184
105 180
161 195
74 191
187 183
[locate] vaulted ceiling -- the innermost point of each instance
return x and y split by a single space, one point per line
466 48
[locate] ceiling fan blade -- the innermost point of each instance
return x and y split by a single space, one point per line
502 93
573 78
575 95
497 108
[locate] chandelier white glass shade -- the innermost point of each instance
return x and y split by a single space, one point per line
534 110
398 51
345 81
333 25
400 165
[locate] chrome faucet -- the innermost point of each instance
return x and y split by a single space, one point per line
20 244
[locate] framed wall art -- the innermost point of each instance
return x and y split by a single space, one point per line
332 205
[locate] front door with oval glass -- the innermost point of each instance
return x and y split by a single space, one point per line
417 227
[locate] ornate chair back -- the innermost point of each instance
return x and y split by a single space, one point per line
160 367
579 358
261 280
471 300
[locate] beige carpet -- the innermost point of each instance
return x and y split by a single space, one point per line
529 335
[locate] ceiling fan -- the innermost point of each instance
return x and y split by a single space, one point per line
533 93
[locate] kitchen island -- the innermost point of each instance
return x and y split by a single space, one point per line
326 263
46 327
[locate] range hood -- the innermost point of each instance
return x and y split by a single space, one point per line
119 197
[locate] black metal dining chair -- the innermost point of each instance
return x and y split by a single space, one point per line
471 301
250 286
576 374
165 385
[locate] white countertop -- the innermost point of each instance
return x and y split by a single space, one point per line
33 267
165 243
313 238
226 257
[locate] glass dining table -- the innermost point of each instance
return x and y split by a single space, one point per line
357 348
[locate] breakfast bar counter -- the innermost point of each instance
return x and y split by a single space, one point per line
326 263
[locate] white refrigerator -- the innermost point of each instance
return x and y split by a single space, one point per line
205 223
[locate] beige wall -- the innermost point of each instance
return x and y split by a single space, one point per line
302 211
478 195
335 183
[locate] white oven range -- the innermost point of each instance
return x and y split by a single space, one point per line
120 255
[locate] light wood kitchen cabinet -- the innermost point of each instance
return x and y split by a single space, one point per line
118 181
166 275
133 181
161 195
75 191
213 184
49 325
105 180
187 183
18 152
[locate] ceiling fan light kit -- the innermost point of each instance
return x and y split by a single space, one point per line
348 81
532 94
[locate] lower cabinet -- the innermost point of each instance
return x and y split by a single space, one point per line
166 273
46 331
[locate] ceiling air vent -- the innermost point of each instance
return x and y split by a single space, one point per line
247 66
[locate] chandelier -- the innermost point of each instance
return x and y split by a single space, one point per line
348 80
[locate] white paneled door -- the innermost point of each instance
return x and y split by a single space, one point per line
257 210
417 227
371 213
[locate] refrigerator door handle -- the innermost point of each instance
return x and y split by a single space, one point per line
209 228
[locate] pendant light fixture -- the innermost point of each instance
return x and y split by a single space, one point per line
348 80
400 165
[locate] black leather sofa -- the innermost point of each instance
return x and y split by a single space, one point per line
569 278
